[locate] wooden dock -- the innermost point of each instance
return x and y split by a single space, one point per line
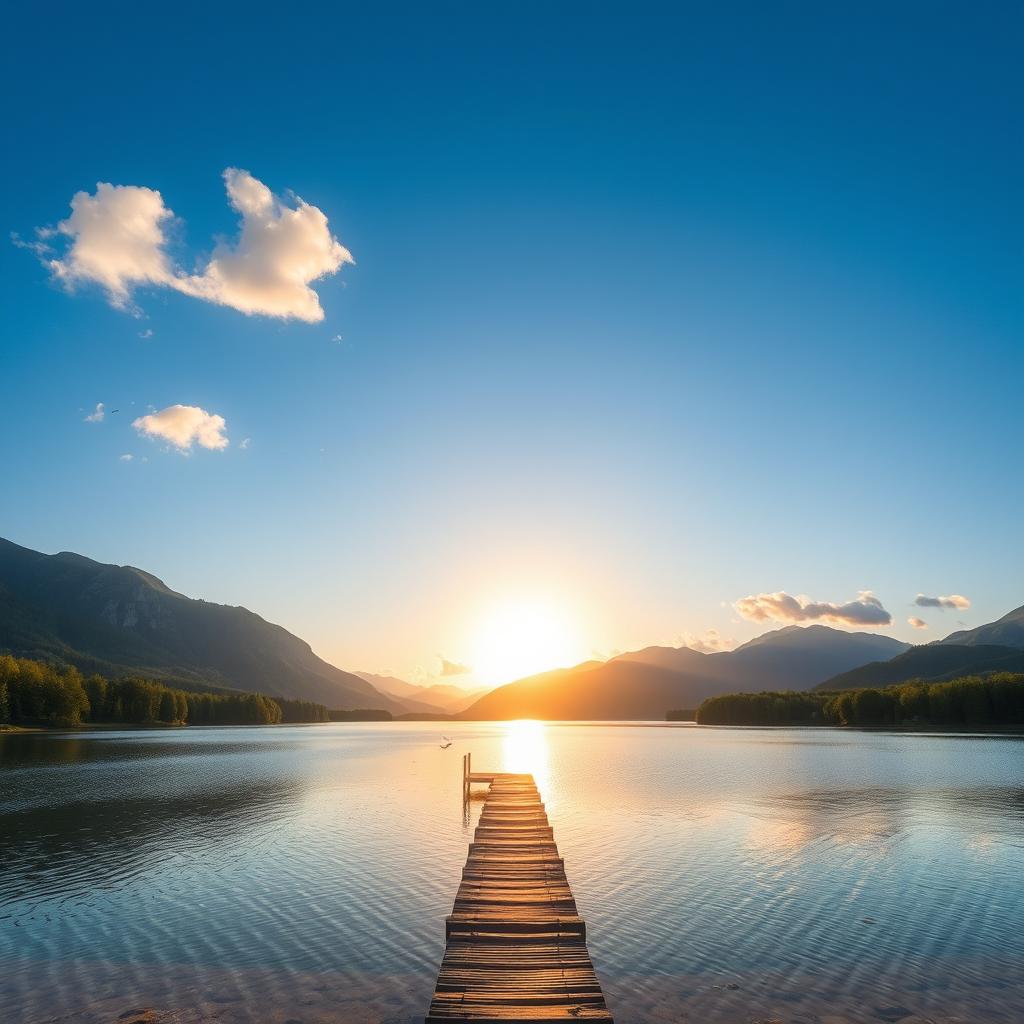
516 946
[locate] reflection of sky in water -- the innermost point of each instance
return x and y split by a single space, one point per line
812 867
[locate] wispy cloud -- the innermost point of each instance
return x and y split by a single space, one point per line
183 426
948 601
452 668
866 610
118 238
97 415
917 623
245 442
41 246
127 457
708 642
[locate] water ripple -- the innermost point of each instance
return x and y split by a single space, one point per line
726 875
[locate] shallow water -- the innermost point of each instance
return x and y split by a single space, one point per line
303 874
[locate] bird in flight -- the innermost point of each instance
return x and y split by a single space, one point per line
445 746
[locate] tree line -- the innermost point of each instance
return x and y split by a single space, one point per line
996 699
37 693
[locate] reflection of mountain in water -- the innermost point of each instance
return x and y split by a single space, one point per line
70 833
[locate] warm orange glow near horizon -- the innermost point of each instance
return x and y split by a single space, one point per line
521 638
525 750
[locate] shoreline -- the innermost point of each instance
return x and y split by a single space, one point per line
979 731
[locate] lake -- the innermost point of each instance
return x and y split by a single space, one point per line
303 874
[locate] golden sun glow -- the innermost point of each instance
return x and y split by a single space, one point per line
525 749
521 638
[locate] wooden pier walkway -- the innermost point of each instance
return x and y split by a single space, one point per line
516 946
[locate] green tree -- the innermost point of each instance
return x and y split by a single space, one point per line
970 700
872 707
168 707
96 690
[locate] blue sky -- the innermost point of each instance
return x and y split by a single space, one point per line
650 311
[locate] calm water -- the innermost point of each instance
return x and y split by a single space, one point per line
303 874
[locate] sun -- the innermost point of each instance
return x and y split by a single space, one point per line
520 638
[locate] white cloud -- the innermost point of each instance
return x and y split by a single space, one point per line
708 642
917 623
280 251
949 601
453 668
183 426
126 457
866 610
147 333
97 415
118 240
246 441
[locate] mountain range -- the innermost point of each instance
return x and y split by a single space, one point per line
933 663
995 647
437 698
120 620
645 684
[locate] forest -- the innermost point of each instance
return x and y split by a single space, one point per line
36 693
990 700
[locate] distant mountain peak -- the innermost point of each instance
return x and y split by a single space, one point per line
1007 631
995 647
818 633
436 697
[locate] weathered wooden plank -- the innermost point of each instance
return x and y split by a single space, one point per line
516 946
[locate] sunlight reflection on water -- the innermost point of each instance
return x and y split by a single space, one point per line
524 749
262 875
